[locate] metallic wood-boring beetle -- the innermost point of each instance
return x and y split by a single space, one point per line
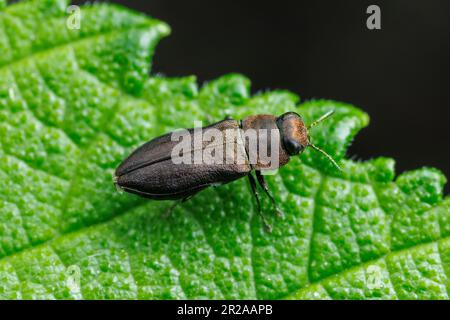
151 172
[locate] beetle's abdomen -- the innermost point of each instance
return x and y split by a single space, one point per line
164 180
151 170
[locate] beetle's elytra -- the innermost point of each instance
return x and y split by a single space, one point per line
152 172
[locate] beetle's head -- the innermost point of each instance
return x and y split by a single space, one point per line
295 135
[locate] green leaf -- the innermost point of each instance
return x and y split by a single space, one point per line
74 103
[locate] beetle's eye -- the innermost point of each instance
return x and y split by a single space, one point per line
292 147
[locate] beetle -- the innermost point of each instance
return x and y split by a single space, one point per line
152 172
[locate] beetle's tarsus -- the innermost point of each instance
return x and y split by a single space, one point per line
267 227
279 212
262 182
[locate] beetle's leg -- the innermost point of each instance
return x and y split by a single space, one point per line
166 214
267 226
227 117
187 198
169 210
263 184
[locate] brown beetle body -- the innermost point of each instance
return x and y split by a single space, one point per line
150 171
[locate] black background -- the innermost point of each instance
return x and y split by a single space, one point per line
400 74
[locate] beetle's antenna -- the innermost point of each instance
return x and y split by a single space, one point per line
325 116
326 155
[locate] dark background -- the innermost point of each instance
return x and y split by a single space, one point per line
400 74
